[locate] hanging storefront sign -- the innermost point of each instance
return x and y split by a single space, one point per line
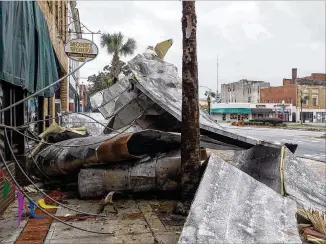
81 50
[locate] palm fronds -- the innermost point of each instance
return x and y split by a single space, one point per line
315 231
129 47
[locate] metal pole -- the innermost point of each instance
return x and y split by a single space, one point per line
301 102
216 75
209 103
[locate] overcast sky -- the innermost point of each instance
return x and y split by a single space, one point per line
253 40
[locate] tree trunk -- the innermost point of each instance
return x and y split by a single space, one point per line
115 67
190 146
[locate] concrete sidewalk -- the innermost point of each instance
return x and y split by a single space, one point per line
137 221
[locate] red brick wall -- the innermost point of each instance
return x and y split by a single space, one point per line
287 81
316 76
280 93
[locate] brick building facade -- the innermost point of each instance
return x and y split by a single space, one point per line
62 17
311 89
313 95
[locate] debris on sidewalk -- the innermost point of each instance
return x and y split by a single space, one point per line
251 198
312 225
55 133
232 207
159 173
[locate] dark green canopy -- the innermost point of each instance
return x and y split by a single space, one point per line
27 58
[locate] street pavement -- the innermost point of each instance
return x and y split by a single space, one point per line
309 145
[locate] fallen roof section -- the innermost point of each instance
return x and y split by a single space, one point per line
232 207
156 84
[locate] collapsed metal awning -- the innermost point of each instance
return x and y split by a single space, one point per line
154 88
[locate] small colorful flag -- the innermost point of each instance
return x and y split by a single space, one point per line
42 203
6 189
20 198
32 211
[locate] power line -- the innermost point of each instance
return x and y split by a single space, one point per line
43 89
42 192
44 211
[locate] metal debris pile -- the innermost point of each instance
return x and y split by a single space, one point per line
252 199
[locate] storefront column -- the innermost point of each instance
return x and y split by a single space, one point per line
64 95
45 111
52 108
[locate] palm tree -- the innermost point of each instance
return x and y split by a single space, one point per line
116 46
190 148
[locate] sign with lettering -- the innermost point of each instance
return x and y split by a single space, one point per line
81 50
260 106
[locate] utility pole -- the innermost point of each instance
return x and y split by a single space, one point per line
216 74
190 143
301 102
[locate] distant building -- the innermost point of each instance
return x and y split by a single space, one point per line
229 112
311 89
313 95
243 91
83 98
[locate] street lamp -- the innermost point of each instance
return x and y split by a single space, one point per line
208 99
302 100
283 106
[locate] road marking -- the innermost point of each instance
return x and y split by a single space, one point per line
316 156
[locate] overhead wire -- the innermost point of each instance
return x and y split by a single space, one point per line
88 144
24 173
43 89
63 205
44 211
40 190
67 113
33 160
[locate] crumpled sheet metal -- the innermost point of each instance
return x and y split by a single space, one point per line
232 207
118 93
56 160
78 120
160 83
301 183
262 163
161 173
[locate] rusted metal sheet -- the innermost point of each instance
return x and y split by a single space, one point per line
68 157
160 173
56 160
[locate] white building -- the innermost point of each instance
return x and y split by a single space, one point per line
243 91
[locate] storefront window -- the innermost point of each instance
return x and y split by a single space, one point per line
321 117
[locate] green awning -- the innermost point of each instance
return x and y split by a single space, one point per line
27 58
47 71
231 111
17 43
